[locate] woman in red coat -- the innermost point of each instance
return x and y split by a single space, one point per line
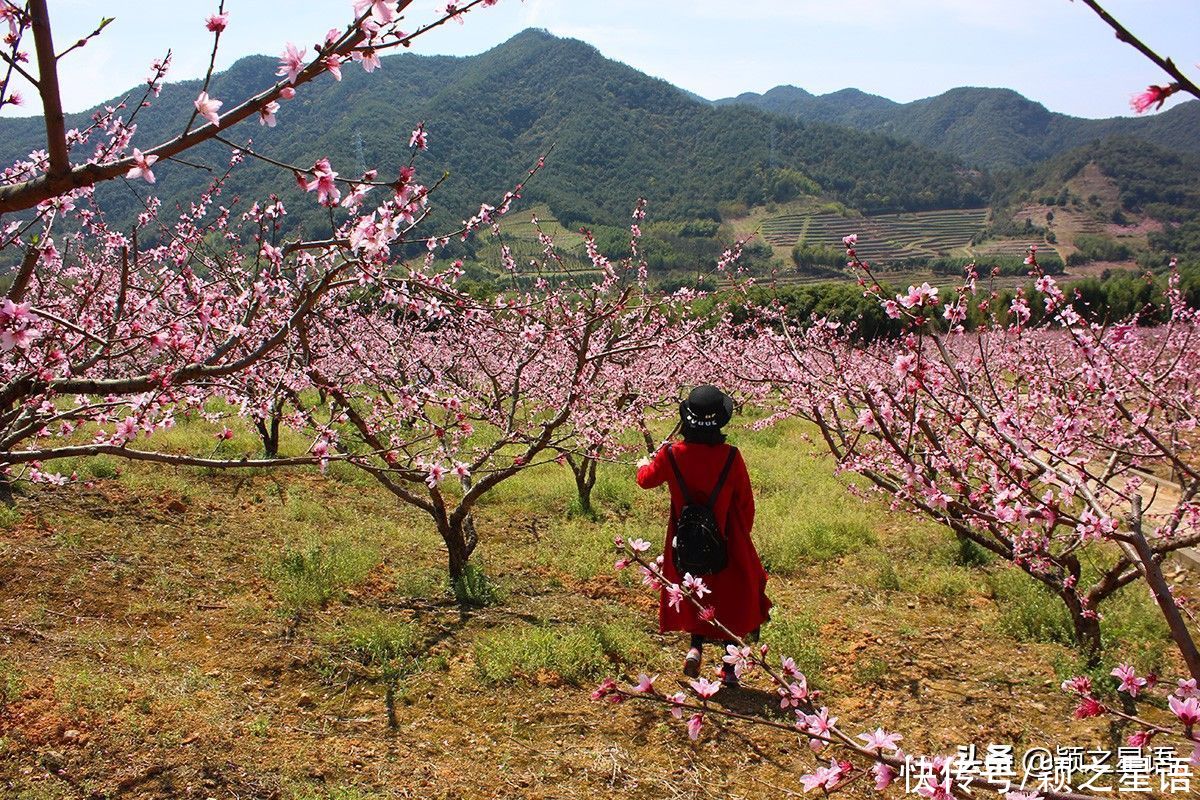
739 590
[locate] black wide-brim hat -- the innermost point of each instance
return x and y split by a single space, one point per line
707 408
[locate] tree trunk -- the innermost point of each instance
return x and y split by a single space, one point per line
584 471
1152 570
459 543
389 700
1086 627
268 430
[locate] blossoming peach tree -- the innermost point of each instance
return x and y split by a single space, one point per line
1047 444
105 338
443 400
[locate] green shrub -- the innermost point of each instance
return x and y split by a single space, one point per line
475 588
575 655
971 554
1029 612
945 584
1133 629
374 638
310 574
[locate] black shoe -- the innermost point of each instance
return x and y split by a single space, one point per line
729 676
691 664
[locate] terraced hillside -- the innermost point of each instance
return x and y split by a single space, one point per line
883 237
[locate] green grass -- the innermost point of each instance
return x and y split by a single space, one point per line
576 655
9 517
799 638
475 588
12 683
312 572
90 688
331 793
1029 612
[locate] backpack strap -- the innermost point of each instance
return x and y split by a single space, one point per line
687 498
712 498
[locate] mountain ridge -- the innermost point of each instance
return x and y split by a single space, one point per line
993 128
617 134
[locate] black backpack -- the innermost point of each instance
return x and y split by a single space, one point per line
699 545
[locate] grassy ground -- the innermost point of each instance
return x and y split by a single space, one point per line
180 634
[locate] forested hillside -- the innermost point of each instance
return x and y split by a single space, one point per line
616 133
993 128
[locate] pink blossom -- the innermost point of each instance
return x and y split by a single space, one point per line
1080 684
1130 682
606 687
824 777
126 429
645 684
794 694
13 313
18 339
819 724
674 596
1088 708
884 775
708 613
696 586
334 65
217 22
919 296
382 11
324 182
1188 711
141 167
1153 96
224 435
639 545
1187 688
695 722
437 474
905 363
677 700
266 114
208 108
291 62
419 139
851 240
935 789
368 58
705 688
879 740
1139 738
287 92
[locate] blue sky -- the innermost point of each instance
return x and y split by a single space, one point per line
1054 51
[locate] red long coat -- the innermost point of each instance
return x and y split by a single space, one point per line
739 590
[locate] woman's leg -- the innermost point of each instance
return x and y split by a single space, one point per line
728 673
691 664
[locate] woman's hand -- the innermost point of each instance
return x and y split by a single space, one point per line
644 461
